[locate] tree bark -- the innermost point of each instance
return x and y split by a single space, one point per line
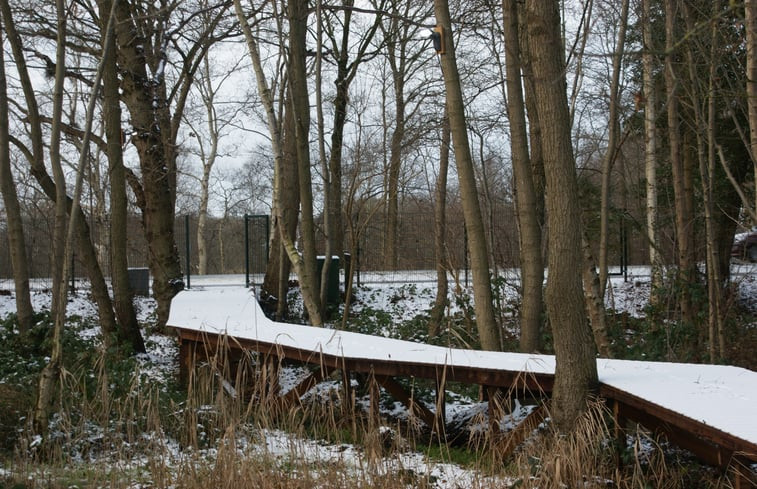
128 327
488 329
650 150
152 135
297 13
16 240
576 369
531 263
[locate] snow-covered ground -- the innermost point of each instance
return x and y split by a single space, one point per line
403 301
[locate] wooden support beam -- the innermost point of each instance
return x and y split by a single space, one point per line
619 433
520 433
400 394
375 399
293 395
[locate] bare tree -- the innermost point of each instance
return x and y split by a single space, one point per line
50 375
219 115
487 327
128 327
680 168
145 35
16 240
576 370
532 266
35 154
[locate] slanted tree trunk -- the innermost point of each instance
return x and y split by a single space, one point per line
50 375
128 327
440 230
285 187
488 329
49 379
16 240
531 264
289 204
576 369
36 158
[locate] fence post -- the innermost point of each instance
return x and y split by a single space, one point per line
246 250
187 248
267 238
357 265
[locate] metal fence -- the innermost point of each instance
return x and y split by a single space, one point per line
238 247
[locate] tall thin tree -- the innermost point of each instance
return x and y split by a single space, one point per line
576 369
482 290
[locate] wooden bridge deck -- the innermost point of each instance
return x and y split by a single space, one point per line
707 409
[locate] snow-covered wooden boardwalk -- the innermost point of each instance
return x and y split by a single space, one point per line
708 409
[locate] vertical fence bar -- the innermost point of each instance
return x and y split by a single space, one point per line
357 265
187 248
267 238
246 250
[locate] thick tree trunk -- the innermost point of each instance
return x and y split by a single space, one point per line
576 370
534 131
16 240
488 329
297 12
145 99
531 263
440 230
128 327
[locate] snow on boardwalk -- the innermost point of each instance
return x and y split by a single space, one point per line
720 397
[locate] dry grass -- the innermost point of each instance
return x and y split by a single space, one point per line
237 435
